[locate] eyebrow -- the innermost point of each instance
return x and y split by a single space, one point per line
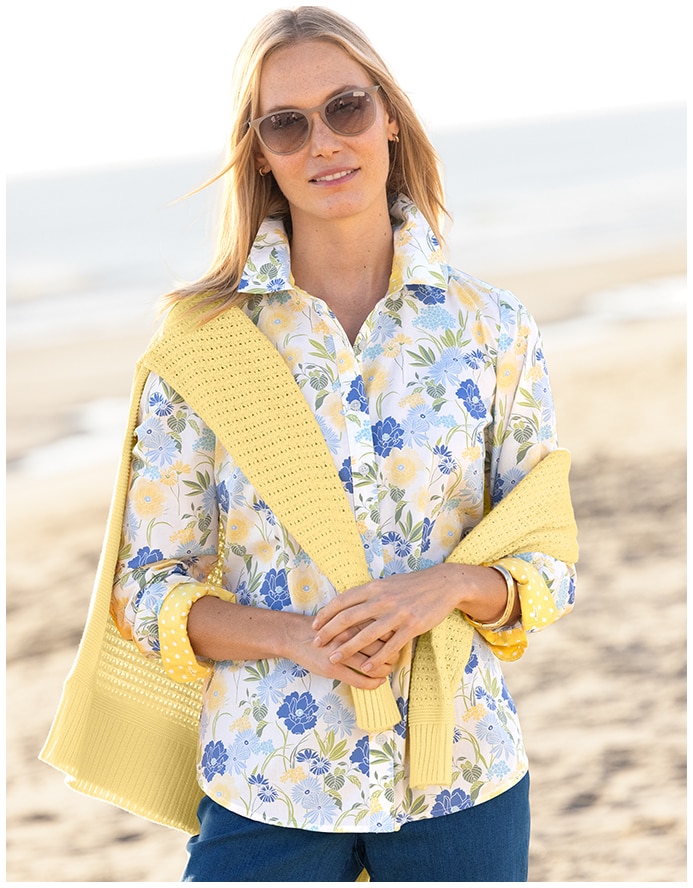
332 95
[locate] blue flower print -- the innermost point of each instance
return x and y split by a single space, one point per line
223 496
276 284
299 712
433 317
504 342
263 509
384 328
426 294
320 808
491 730
266 792
240 751
387 436
401 726
336 715
345 475
472 663
214 759
145 555
503 484
448 366
426 529
505 693
446 461
484 697
162 450
471 396
243 595
149 430
474 359
450 802
317 764
161 405
275 590
402 546
381 822
498 770
357 395
361 755
270 688
305 790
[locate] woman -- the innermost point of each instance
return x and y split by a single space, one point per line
317 756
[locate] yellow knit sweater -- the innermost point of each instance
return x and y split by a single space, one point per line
125 731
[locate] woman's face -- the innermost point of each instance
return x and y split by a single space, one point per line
332 177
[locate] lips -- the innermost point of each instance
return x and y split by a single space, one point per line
333 177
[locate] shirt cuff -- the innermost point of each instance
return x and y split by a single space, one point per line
538 610
177 656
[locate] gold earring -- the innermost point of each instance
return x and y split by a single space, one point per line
395 138
263 171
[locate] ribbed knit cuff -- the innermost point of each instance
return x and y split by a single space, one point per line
430 757
376 710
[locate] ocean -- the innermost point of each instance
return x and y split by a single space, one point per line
98 247
95 249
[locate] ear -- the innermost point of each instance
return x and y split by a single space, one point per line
261 164
392 128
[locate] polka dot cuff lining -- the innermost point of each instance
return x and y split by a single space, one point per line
177 655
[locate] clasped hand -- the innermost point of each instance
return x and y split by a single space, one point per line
375 621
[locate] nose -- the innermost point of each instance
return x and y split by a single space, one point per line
321 139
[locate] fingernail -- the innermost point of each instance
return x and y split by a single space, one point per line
367 667
336 657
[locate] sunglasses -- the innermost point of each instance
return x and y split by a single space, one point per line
348 114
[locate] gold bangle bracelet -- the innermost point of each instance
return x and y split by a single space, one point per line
510 603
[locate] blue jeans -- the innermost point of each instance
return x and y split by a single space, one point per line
486 843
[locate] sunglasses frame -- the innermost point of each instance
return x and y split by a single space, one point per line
308 114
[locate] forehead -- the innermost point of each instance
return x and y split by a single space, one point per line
305 74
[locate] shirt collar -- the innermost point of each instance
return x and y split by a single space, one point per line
418 258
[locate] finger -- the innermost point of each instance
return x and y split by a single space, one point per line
363 641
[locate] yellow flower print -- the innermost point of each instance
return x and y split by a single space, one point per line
470 454
303 587
508 373
333 410
464 295
373 379
293 775
521 341
241 724
215 694
220 790
402 467
293 357
237 530
147 498
535 373
479 331
262 551
411 401
183 536
376 804
446 530
475 713
169 477
393 346
275 322
180 467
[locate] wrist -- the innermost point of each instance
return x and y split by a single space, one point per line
511 598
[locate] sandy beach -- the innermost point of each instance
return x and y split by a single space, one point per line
601 694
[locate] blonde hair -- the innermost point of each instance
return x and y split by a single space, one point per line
248 197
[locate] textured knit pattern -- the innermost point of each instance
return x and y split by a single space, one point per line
128 733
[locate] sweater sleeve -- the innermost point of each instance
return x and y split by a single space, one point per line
523 433
170 529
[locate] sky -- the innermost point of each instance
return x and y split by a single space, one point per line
97 84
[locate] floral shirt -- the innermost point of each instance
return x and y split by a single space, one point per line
442 404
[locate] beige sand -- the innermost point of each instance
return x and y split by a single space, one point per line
602 693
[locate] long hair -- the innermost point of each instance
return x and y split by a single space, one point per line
248 197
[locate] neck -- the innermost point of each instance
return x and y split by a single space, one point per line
346 265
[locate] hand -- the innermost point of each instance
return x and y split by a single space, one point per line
391 611
347 668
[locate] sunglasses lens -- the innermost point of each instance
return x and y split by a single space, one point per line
284 131
350 113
